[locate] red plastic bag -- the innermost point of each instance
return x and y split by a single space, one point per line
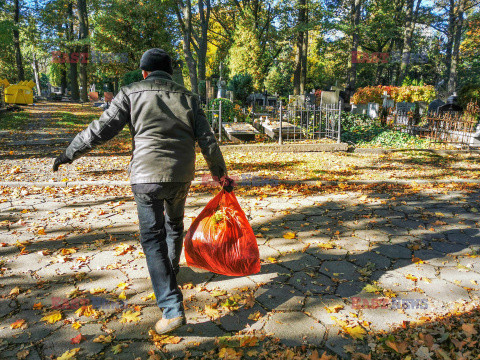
221 240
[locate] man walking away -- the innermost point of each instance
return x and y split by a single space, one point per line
165 120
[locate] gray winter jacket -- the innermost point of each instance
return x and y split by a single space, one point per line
165 120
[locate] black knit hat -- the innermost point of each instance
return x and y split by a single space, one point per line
156 59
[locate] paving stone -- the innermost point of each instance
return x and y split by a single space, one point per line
448 248
443 290
313 282
461 276
60 341
353 244
267 251
231 284
239 320
135 330
279 297
315 306
132 350
33 353
384 319
349 288
36 330
380 261
107 279
465 237
299 261
395 252
286 245
339 269
295 328
270 273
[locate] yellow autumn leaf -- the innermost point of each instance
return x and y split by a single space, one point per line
151 296
123 286
411 277
289 235
67 251
52 317
356 332
326 246
97 291
76 325
272 260
37 306
130 316
69 354
103 339
122 295
229 353
86 310
334 308
41 231
211 311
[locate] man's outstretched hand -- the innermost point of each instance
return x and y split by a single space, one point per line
60 160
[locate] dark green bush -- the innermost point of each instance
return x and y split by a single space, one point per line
228 110
242 86
131 77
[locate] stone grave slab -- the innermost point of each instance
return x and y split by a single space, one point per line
240 131
272 129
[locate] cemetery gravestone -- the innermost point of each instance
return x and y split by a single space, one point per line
434 105
330 97
373 110
404 107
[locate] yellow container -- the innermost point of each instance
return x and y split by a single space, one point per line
20 93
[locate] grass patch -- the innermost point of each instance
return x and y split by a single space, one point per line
14 120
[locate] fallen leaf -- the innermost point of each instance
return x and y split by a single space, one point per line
334 308
21 323
400 348
123 286
356 332
289 235
69 354
130 316
15 291
97 291
469 329
52 317
76 325
103 339
116 349
122 295
77 339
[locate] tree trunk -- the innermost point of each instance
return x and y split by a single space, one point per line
186 27
354 21
407 41
63 79
450 36
16 42
452 79
73 58
203 41
35 72
83 35
297 75
303 75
